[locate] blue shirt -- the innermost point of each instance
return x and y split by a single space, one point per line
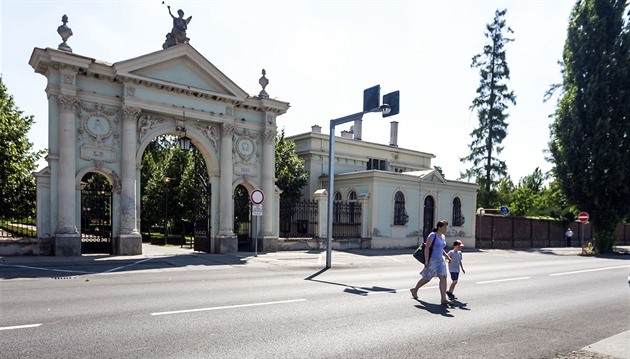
439 243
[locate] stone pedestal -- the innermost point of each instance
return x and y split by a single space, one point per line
128 245
227 244
268 244
67 245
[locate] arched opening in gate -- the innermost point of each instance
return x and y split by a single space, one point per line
243 219
96 214
429 216
175 195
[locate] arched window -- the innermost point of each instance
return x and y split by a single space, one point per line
458 219
400 214
427 222
337 208
352 202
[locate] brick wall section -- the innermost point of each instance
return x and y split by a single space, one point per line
497 231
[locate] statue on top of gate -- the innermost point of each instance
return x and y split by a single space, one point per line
178 33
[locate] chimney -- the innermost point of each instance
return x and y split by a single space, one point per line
346 134
393 137
316 129
357 129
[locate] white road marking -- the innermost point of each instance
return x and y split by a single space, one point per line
590 270
128 265
502 280
45 269
228 307
20 326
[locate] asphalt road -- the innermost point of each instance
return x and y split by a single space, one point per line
512 304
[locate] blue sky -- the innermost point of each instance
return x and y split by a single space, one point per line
320 56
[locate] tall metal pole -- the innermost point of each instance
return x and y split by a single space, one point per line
331 186
331 171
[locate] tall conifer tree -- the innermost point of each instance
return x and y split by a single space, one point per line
491 104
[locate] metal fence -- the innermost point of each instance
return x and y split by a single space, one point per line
346 220
298 219
24 228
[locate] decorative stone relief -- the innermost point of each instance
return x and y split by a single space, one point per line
68 79
269 135
246 147
145 123
67 103
229 111
131 91
99 125
211 132
271 119
227 129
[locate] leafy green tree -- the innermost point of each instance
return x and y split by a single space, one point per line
590 135
492 101
290 172
527 197
17 160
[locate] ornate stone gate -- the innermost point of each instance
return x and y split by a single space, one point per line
102 116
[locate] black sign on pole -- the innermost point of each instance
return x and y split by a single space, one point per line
393 100
371 98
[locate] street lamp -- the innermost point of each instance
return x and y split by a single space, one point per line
167 180
371 103
184 141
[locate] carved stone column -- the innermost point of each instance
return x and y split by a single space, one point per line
227 241
130 242
67 238
270 243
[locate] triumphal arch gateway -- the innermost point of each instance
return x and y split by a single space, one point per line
102 116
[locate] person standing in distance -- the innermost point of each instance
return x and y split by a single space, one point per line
569 235
434 261
454 265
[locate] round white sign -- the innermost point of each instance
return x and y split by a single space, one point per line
257 196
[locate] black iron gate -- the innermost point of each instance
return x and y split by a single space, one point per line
242 219
96 216
202 206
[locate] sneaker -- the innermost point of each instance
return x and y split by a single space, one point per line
451 296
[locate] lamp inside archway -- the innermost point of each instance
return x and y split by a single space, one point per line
184 141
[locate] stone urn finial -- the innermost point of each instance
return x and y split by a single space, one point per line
65 32
263 82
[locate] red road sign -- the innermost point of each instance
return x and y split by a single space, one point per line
583 217
257 196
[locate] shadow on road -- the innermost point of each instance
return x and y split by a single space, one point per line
62 267
363 291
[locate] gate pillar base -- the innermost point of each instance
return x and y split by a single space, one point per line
269 244
128 245
227 244
67 245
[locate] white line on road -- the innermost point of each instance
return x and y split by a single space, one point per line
20 326
128 265
590 270
46 269
502 280
228 307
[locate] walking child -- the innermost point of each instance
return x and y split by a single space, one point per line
454 265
